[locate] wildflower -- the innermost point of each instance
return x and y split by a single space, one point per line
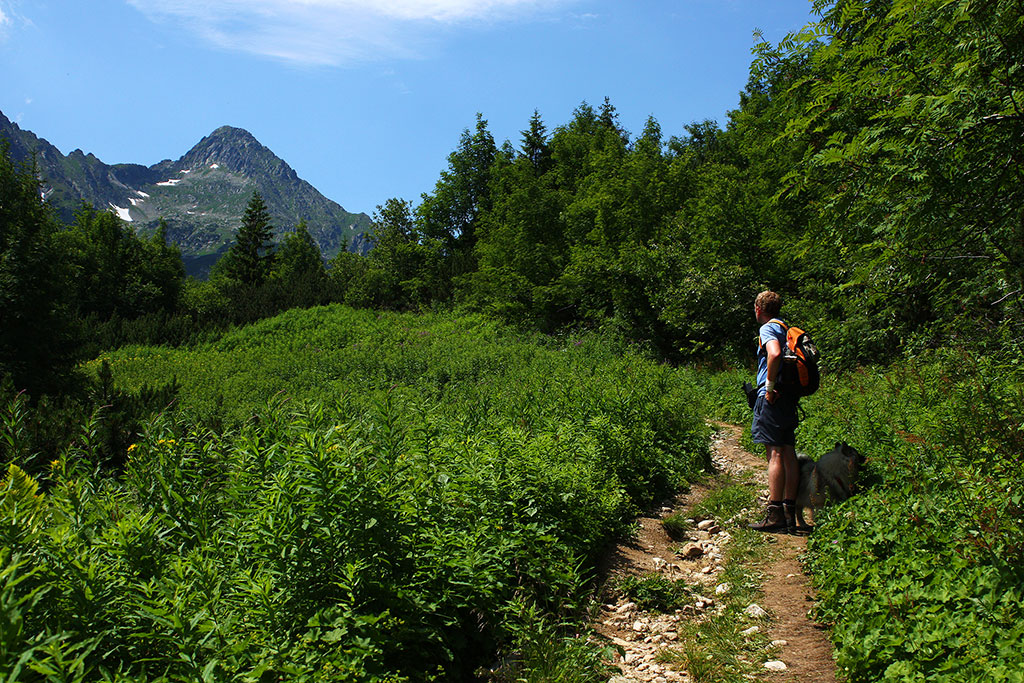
132 447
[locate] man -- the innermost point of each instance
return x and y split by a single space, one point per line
775 419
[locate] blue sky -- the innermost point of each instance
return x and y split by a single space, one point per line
365 99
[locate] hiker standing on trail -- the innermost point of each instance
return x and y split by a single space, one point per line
775 418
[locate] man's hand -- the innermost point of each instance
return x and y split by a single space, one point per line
771 395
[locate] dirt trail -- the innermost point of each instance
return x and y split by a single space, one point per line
802 644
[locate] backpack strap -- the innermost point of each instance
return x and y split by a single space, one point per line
785 328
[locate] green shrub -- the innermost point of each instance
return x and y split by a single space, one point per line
654 592
341 496
922 574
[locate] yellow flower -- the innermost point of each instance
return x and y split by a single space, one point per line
132 447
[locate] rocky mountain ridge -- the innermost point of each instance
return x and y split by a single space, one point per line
201 196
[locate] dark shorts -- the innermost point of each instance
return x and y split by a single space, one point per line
774 423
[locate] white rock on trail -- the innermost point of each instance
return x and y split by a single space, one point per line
775 665
755 611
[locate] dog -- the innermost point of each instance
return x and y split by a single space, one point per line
833 476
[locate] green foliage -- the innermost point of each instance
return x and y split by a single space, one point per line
654 592
921 574
33 435
112 276
451 213
724 502
908 115
389 517
677 525
251 257
720 393
35 349
298 260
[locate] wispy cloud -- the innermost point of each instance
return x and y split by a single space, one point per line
332 32
5 23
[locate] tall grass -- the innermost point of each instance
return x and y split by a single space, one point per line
341 496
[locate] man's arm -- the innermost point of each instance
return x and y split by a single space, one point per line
773 351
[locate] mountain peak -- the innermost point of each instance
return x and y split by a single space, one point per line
237 150
202 196
232 133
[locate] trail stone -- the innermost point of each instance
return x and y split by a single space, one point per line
691 551
775 665
755 610
706 524
750 631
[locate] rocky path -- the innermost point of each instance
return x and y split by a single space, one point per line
652 645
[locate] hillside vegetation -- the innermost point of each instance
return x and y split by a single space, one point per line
390 498
872 173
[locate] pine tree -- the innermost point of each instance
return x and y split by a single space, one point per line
535 143
250 258
35 338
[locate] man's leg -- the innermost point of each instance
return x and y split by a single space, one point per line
775 519
791 469
778 473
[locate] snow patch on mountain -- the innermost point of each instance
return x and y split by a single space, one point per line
123 214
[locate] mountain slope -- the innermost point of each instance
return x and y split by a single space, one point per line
202 196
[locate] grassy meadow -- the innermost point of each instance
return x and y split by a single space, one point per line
335 494
343 495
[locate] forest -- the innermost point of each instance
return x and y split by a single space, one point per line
360 469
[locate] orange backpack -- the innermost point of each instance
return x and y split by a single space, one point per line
799 374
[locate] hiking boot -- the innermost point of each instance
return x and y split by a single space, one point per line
790 511
774 520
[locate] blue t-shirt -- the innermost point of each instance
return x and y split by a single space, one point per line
770 330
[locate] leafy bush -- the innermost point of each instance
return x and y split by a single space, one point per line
389 498
922 575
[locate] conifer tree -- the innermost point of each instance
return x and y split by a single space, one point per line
251 256
35 340
535 143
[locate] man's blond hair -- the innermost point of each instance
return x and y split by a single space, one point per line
769 302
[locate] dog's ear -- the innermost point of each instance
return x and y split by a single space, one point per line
840 446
